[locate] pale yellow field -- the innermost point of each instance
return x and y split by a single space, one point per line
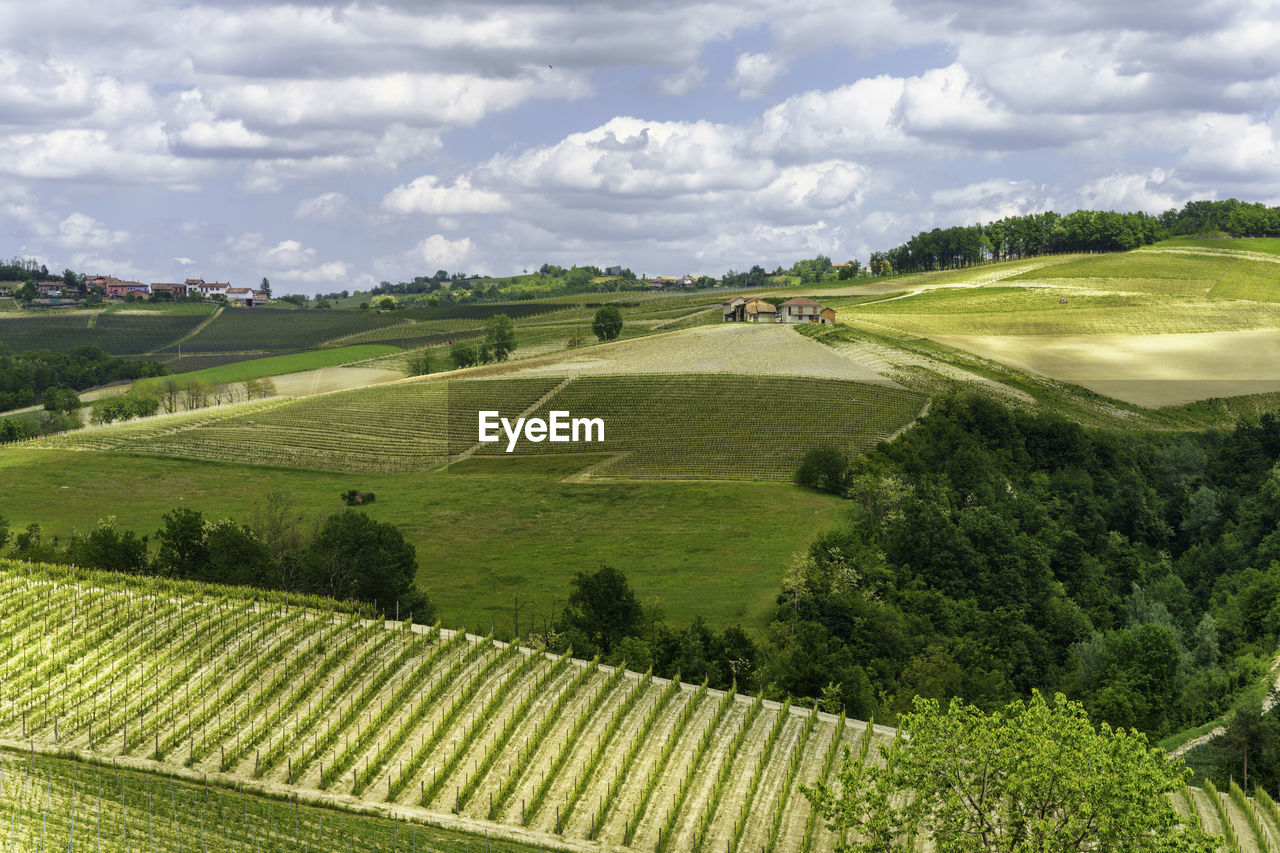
1148 370
758 349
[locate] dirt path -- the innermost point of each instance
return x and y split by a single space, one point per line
1267 704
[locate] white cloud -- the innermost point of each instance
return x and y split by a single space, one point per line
754 73
681 82
326 207
426 195
79 231
439 252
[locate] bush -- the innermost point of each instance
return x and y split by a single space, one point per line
825 469
352 497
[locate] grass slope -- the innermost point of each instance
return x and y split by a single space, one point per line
276 365
484 535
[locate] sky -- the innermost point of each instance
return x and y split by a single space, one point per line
333 146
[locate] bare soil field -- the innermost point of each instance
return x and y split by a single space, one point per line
1148 370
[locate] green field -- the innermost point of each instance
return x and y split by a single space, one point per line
276 365
484 534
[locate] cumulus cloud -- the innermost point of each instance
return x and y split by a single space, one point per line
427 195
439 252
79 231
754 73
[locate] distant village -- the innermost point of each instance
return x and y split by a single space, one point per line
58 291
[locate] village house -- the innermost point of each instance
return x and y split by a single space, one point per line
169 287
47 289
207 288
121 289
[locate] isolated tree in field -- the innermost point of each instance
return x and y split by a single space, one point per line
608 323
500 335
602 609
1033 776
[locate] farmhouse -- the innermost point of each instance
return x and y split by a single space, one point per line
207 288
168 287
246 296
801 309
798 310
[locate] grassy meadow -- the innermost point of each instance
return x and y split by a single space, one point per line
485 531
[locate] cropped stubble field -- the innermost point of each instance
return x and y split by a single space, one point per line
314 699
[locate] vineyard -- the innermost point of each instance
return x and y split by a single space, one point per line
719 426
269 329
54 804
725 426
116 332
317 701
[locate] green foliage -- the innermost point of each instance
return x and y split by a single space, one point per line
60 399
463 354
825 469
500 337
602 610
354 556
607 324
123 407
1024 777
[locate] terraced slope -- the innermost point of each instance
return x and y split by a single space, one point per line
318 701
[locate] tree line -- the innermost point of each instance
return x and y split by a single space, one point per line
345 555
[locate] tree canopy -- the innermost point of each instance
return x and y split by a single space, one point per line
607 324
1035 775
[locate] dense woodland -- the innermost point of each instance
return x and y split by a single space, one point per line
990 552
26 376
